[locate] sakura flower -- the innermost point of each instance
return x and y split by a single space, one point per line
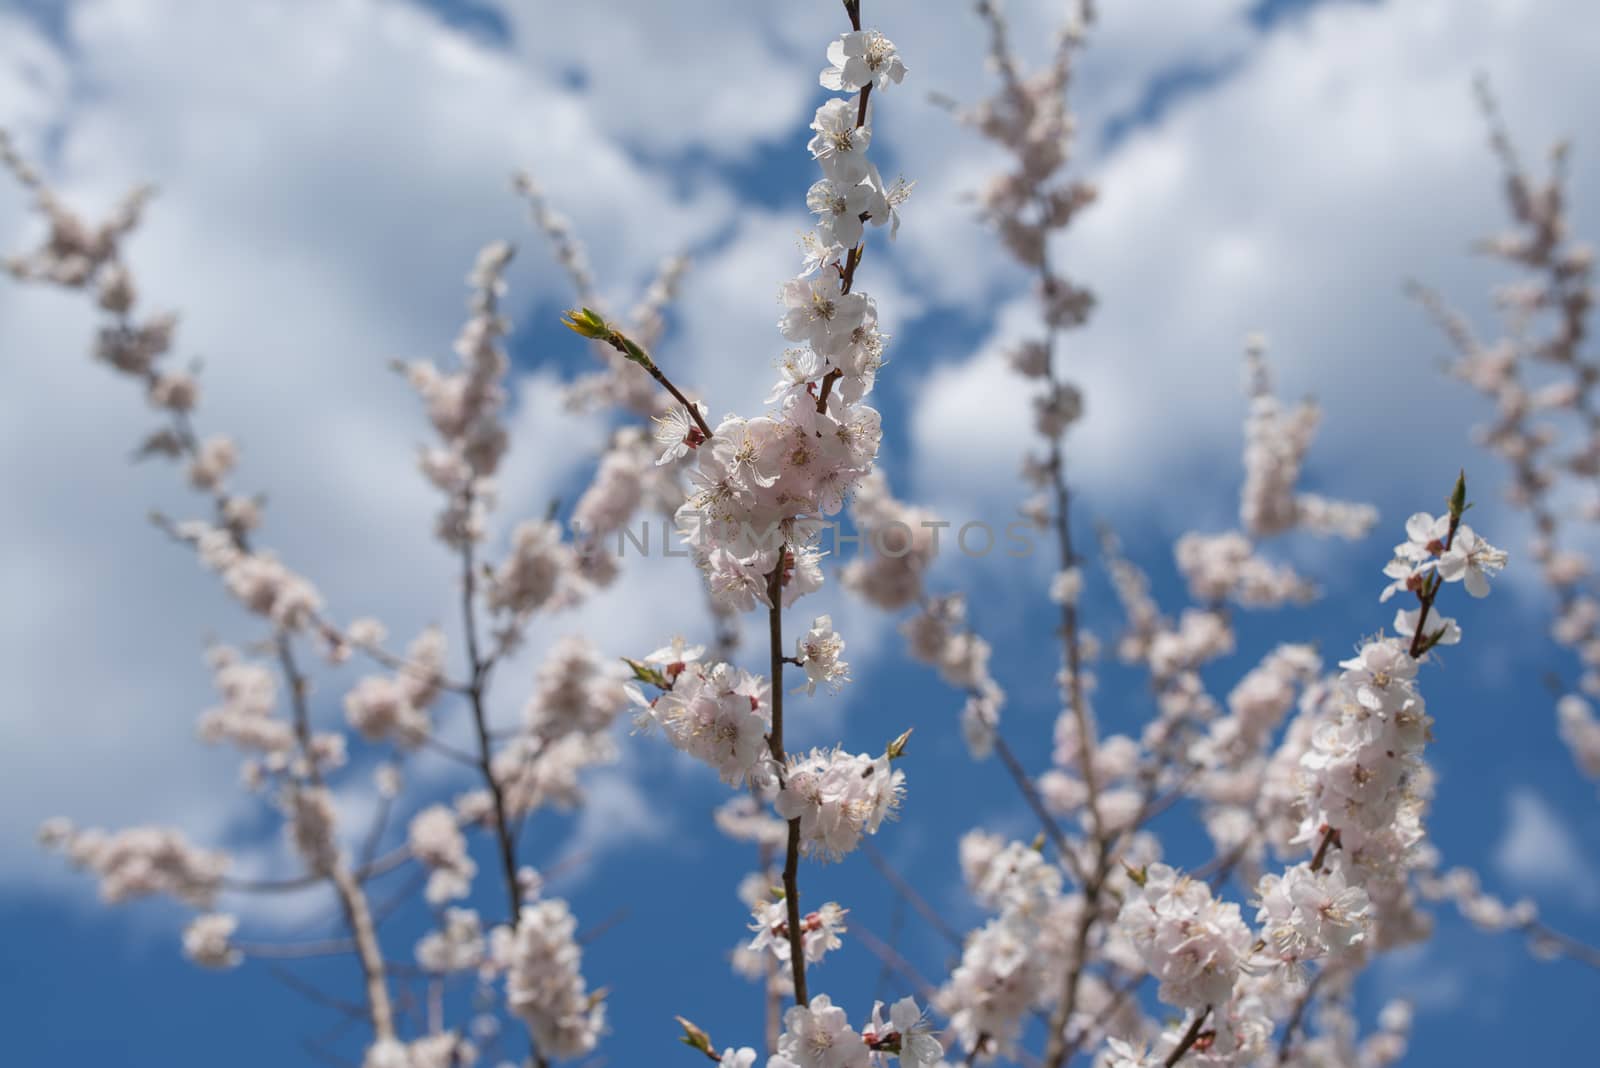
906 1034
819 930
818 652
312 827
1380 676
818 312
1125 1054
863 58
1406 575
841 209
1066 587
436 841
797 370
208 941
1405 625
897 193
744 1057
1472 560
676 654
739 450
819 252
839 145
677 432
456 947
1581 733
819 1036
1031 359
1425 535
213 460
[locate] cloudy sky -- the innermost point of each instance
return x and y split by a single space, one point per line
327 170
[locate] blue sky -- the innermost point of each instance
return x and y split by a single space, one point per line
328 170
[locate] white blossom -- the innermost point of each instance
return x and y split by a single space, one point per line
865 57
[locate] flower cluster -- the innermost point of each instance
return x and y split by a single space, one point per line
1275 448
717 713
396 706
140 861
1224 567
435 839
74 252
1581 731
457 946
544 983
261 582
247 716
445 1050
573 693
818 652
464 406
819 930
311 825
819 1035
759 485
838 797
899 541
1194 945
1307 915
208 940
537 571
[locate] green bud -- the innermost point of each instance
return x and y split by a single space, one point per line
695 1038
897 748
587 322
1458 497
643 672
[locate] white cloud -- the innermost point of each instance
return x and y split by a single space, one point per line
321 201
323 197
1293 196
1538 852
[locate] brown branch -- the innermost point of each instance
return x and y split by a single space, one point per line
1190 1037
693 409
791 858
479 668
827 388
1568 946
352 899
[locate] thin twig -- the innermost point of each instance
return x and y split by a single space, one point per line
910 896
1190 1037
